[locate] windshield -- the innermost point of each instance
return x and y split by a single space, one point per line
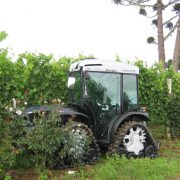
104 88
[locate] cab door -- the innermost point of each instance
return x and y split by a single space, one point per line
104 96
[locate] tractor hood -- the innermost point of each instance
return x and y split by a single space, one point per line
29 112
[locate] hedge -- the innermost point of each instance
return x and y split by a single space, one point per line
33 78
39 78
163 108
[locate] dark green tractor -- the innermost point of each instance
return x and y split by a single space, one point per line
104 108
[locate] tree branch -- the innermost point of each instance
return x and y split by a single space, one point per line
134 3
171 19
170 3
152 16
165 38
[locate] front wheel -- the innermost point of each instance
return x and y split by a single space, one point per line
133 139
81 145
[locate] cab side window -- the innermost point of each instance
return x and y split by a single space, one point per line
130 97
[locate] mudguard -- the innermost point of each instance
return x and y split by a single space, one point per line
31 112
122 118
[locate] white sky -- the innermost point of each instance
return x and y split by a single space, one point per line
70 27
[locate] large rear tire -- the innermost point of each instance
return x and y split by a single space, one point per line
133 140
83 148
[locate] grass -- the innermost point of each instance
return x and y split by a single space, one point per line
141 169
165 167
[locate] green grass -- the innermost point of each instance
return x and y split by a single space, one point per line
166 166
141 169
158 131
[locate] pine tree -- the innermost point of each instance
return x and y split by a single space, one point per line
157 8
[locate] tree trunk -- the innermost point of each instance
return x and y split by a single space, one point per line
161 49
176 55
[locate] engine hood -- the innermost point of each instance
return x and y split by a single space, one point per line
59 109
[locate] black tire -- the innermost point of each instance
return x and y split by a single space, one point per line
132 139
83 148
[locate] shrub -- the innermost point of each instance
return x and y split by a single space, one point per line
153 91
173 115
45 138
7 150
163 108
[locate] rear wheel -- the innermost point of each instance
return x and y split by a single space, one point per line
133 140
81 144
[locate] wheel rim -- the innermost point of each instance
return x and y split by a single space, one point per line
134 140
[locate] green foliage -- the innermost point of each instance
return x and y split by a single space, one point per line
8 178
45 138
33 78
7 150
173 114
42 78
154 94
116 168
151 40
35 145
42 173
7 78
42 145
12 133
3 35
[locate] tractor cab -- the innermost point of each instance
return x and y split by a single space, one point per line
104 91
107 84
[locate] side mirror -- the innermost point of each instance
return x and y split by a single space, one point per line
71 82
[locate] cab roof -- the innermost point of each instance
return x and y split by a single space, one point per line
98 65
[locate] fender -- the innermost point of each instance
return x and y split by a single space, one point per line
71 112
122 118
31 112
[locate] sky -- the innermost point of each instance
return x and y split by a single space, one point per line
90 27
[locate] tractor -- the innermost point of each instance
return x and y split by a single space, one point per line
103 104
